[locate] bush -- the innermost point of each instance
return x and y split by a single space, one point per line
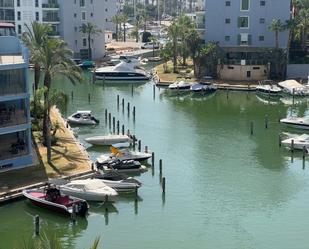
188 70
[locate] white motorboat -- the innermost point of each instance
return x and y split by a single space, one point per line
89 189
203 87
268 89
109 139
301 123
82 118
294 88
180 86
299 142
119 182
126 166
124 71
123 155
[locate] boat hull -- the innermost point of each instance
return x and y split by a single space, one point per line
303 126
89 196
141 169
107 141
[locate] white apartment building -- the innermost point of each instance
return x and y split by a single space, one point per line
66 18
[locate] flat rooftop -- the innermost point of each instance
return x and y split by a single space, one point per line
11 59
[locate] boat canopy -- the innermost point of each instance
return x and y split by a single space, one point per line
83 112
89 184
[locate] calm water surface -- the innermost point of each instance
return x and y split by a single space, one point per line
224 188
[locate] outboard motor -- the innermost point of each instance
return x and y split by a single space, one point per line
82 208
95 120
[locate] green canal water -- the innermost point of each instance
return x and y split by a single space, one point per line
225 188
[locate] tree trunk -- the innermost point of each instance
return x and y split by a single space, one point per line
304 39
175 58
117 31
46 120
153 49
124 32
277 39
37 74
89 48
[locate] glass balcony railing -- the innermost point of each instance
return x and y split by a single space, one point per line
13 145
51 19
50 5
12 82
13 113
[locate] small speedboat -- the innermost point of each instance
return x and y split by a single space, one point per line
119 182
126 166
301 123
299 142
203 87
180 86
82 118
271 90
109 139
51 198
123 155
89 189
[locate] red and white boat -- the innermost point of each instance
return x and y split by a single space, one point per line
50 198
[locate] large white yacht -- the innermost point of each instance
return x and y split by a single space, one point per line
124 71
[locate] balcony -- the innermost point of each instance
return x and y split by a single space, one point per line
13 113
13 145
50 6
12 82
7 4
51 19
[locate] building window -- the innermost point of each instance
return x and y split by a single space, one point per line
91 1
36 3
106 20
18 3
227 3
91 14
19 29
84 42
262 3
83 15
245 5
106 10
37 16
262 20
244 39
227 38
227 20
75 29
243 22
75 15
76 43
261 38
82 3
18 15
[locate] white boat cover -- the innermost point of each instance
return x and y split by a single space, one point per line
289 85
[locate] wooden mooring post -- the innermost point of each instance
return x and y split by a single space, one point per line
117 127
89 97
152 158
37 225
105 115
72 95
122 130
146 149
154 91
139 145
134 113
280 141
114 124
160 167
292 150
122 103
251 128
109 120
118 102
134 142
266 121
128 109
304 156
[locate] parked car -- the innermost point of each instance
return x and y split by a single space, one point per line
149 45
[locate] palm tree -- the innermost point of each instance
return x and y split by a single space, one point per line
173 33
276 26
54 56
145 19
154 41
165 54
33 39
90 30
124 20
303 25
117 20
290 25
193 42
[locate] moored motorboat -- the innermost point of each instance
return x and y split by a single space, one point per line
50 198
82 118
300 123
124 71
268 89
123 155
109 139
203 87
297 142
119 182
126 166
180 86
89 189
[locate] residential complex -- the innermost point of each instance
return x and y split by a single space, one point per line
15 125
242 29
65 17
